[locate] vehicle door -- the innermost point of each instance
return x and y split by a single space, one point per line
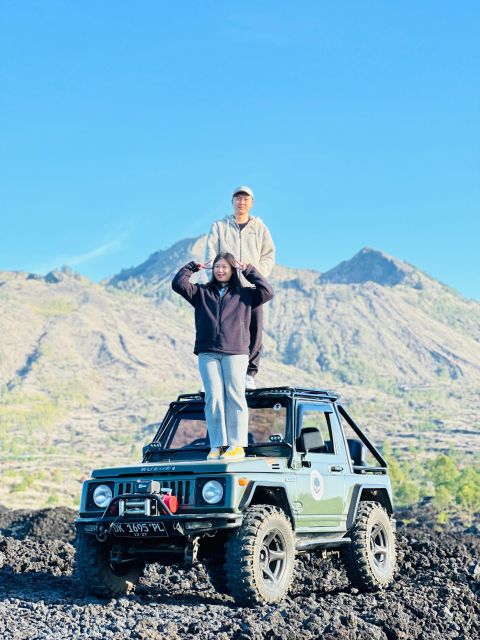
320 480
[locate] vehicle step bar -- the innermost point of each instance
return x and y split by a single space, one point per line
304 543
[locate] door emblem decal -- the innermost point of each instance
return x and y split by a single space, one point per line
316 484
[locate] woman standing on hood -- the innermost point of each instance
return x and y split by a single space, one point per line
222 318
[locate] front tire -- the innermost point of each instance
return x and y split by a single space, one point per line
260 556
371 557
214 563
98 574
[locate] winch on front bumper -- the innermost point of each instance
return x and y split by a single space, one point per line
150 516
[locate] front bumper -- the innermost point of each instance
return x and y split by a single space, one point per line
164 526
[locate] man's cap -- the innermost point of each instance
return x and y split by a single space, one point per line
243 189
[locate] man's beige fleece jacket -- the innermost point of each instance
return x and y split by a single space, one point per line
252 244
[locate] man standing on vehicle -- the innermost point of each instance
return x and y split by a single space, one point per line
249 240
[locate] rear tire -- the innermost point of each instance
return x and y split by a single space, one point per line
370 559
260 556
98 575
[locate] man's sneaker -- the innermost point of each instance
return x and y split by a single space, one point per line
233 453
250 382
214 454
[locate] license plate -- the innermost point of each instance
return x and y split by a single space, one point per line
138 529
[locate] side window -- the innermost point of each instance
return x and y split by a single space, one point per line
318 417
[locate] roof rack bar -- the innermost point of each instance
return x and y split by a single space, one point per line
191 396
200 395
293 391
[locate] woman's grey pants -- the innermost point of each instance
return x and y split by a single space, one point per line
226 408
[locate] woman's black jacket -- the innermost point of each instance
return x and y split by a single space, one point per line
222 323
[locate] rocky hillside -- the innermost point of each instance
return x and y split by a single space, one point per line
85 368
372 320
435 594
83 371
372 326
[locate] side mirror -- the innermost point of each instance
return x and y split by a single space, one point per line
310 439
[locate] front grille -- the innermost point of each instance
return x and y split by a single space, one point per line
124 487
181 489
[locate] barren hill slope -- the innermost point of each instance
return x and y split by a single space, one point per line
84 368
402 346
83 371
371 320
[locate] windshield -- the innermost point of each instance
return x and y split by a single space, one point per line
267 423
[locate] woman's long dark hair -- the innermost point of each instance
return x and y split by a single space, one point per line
228 257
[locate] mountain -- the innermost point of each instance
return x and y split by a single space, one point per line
83 372
156 272
369 265
370 320
85 368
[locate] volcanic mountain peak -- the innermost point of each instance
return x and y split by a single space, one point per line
161 265
370 265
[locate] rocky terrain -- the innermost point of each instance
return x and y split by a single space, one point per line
435 595
85 368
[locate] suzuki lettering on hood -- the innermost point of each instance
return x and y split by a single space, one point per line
148 469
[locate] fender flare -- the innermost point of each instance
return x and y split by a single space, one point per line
277 487
358 489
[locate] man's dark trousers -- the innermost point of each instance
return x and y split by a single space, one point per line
256 330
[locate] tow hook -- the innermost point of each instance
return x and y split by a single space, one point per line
191 552
101 533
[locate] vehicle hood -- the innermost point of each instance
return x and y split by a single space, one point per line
197 467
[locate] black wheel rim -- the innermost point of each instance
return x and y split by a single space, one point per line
273 559
380 548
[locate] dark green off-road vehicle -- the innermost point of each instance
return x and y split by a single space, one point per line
311 480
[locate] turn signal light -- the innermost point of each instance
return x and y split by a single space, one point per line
243 482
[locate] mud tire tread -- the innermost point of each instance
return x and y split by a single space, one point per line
92 572
356 557
239 558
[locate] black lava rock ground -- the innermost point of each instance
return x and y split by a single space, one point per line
435 594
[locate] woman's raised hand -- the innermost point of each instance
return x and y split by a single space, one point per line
241 265
203 265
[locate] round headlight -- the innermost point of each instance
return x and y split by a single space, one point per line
102 495
212 492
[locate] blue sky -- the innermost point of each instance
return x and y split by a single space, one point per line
125 125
